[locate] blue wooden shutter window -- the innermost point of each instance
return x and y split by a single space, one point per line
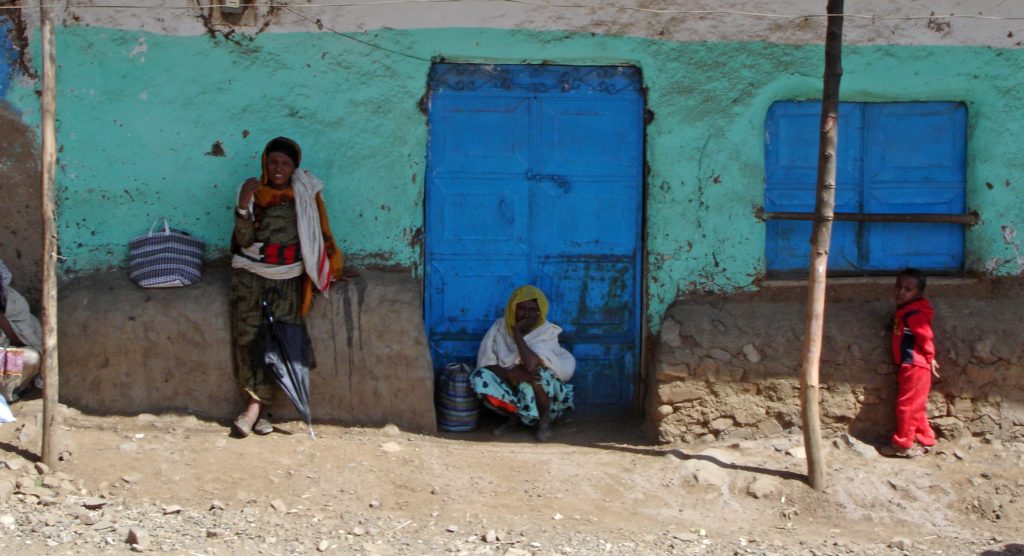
899 157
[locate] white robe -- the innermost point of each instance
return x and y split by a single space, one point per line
24 323
498 348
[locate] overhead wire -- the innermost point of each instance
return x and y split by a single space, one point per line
321 25
535 3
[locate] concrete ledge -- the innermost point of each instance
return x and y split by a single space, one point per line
128 350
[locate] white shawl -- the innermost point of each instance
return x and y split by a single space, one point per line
24 323
498 348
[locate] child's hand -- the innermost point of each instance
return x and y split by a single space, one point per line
935 369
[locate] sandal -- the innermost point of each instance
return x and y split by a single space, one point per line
241 426
263 426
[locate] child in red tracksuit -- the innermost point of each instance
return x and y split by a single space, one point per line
914 354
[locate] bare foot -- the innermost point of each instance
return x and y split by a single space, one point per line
544 431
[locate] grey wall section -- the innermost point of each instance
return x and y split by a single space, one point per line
21 241
127 350
730 367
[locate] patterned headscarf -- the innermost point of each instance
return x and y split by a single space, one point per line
525 293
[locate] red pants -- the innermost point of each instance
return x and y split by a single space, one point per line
911 406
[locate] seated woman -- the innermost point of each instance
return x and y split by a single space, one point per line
20 340
522 371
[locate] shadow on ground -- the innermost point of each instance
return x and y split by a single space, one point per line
622 435
1013 549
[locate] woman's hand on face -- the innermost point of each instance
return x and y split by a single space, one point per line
525 325
248 189
527 316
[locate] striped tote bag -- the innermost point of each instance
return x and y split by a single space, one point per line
457 405
166 258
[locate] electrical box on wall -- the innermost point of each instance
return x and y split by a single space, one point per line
231 6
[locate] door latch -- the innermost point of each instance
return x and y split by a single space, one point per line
561 181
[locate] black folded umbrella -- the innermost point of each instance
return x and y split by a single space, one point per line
284 350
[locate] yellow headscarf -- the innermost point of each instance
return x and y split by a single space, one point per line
525 293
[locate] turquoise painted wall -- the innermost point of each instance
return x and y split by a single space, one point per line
139 115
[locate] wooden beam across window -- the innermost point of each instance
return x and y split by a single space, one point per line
969 219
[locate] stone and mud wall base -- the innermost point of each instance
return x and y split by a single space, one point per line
127 350
729 368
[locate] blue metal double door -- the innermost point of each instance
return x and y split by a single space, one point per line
535 176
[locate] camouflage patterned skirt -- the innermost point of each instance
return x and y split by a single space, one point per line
521 400
247 291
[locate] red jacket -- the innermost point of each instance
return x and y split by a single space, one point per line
912 334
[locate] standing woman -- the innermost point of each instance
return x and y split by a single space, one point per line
282 242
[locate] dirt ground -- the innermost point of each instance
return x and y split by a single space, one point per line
178 485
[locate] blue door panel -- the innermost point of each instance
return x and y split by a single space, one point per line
800 197
932 247
590 137
599 383
599 325
583 229
480 215
535 176
915 164
922 142
788 246
791 169
588 293
481 133
468 295
922 197
791 143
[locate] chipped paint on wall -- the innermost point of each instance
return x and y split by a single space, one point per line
994 24
1013 264
154 125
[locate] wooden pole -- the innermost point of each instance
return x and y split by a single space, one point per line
49 302
824 208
